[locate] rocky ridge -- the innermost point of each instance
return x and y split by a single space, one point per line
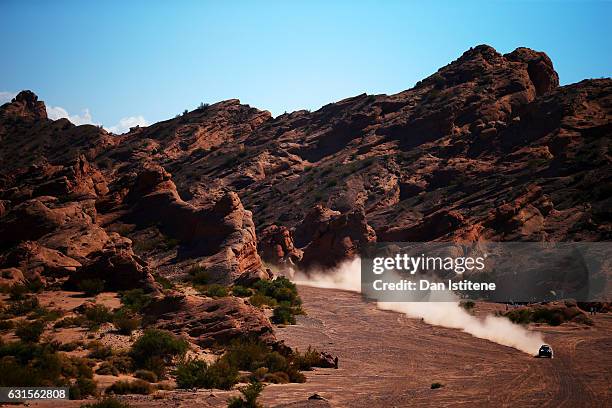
490 147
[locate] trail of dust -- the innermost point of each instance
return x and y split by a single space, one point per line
447 314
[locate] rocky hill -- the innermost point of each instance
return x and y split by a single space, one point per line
489 147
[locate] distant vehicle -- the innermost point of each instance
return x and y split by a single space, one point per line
545 351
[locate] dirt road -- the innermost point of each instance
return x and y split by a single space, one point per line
389 360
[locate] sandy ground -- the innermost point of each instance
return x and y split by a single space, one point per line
389 360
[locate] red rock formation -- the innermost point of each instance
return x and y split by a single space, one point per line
342 237
37 262
222 236
276 246
118 267
25 106
209 321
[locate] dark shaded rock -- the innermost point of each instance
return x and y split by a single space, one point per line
341 238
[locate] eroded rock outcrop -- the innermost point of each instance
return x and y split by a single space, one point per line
222 237
117 266
209 321
342 237
276 246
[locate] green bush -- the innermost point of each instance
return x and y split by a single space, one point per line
107 402
241 291
126 323
191 373
250 393
18 291
99 351
91 287
216 291
311 358
30 332
23 307
115 365
279 377
134 299
198 274
70 346
39 364
82 388
156 348
146 375
163 281
246 354
467 304
98 314
122 387
259 299
194 373
436 385
283 314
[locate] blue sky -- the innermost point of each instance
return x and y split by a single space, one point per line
150 60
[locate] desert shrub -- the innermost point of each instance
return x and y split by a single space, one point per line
38 364
280 289
259 299
191 373
246 354
91 287
99 351
279 377
195 373
311 358
23 306
199 275
146 375
216 291
30 332
241 291
163 281
274 362
116 365
436 385
283 314
98 314
70 346
249 397
467 304
222 375
130 387
134 299
553 315
107 402
45 314
71 321
156 348
18 291
126 323
82 388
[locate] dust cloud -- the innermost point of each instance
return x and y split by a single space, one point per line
447 314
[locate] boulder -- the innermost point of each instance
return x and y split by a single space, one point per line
10 277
